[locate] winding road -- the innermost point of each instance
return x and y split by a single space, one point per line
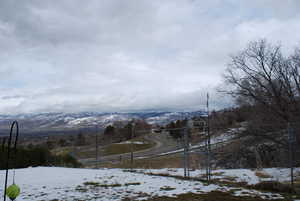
163 143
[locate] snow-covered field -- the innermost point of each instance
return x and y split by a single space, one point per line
50 183
237 175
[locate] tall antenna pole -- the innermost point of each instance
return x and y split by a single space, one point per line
132 134
292 139
208 140
188 128
97 147
185 151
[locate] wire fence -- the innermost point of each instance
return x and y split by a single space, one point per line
234 149
201 147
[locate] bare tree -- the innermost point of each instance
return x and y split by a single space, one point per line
263 78
260 75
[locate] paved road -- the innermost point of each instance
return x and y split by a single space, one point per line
164 143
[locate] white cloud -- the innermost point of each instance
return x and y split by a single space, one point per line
115 55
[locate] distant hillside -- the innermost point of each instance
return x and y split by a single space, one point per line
56 122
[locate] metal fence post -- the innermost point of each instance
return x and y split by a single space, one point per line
184 152
291 137
188 135
131 154
208 142
97 147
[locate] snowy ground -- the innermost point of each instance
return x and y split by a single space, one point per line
238 175
68 184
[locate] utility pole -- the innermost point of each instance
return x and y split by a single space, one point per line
131 147
208 142
97 147
188 134
292 139
185 152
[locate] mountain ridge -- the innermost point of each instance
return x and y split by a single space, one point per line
73 121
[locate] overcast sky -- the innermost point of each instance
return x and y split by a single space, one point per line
128 55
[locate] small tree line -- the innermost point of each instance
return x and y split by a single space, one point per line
37 156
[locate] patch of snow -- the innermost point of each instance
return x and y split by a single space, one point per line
253 193
81 120
238 175
49 183
132 142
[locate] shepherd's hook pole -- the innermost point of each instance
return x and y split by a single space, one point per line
14 124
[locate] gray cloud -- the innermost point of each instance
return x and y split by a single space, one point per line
115 55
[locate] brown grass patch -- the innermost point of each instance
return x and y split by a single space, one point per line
262 174
96 184
217 173
211 196
173 161
167 188
125 148
273 186
133 184
230 178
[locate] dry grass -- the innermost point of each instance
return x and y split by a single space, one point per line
262 174
96 184
132 184
62 151
217 173
230 178
125 148
168 161
174 161
211 196
273 186
114 149
167 188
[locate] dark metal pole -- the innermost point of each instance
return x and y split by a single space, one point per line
185 152
208 141
131 147
291 149
96 147
188 134
15 123
206 150
188 154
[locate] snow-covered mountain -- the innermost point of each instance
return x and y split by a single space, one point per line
71 121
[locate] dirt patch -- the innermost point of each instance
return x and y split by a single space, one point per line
167 188
273 186
151 163
262 174
212 196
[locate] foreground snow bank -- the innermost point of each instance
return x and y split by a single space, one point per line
49 183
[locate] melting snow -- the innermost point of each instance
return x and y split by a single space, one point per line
239 175
49 183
